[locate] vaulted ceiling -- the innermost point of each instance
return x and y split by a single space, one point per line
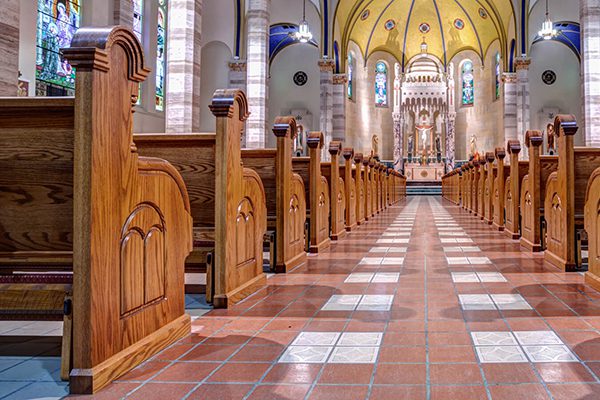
447 26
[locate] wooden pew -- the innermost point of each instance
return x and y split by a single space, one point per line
228 200
488 189
592 227
359 177
367 188
348 171
480 187
499 189
331 172
316 192
285 194
373 185
533 190
75 194
565 196
512 189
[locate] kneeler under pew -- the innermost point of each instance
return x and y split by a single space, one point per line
317 193
75 195
227 200
285 194
566 196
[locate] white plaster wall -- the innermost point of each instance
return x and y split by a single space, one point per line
285 95
485 117
565 94
218 22
291 12
214 75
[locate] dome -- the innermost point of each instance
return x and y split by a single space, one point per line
448 26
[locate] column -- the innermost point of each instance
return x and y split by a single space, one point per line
339 107
237 80
257 20
9 48
522 66
123 12
590 54
326 103
510 106
398 117
450 142
183 66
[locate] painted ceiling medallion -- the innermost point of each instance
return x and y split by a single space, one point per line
365 14
482 13
424 28
459 24
390 24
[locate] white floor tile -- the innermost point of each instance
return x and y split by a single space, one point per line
360 339
510 302
498 338
359 277
316 339
342 302
306 354
393 241
491 277
537 337
464 277
371 260
457 260
479 260
500 354
556 353
393 261
386 277
354 355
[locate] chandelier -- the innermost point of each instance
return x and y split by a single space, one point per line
548 32
303 34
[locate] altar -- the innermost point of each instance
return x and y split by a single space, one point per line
428 172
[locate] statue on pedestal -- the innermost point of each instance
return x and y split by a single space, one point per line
375 145
473 146
411 147
550 134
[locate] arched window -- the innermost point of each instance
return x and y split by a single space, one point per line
468 91
497 77
57 22
381 84
138 18
350 76
160 54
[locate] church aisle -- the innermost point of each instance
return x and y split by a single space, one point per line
422 302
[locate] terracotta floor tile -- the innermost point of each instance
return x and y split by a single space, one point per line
144 371
258 353
161 391
523 391
564 372
403 355
509 373
293 373
279 392
206 352
452 354
186 372
239 372
400 374
220 392
398 392
458 392
346 374
445 374
342 392
583 391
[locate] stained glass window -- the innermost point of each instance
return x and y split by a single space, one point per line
468 91
160 55
381 84
57 22
138 18
498 77
350 76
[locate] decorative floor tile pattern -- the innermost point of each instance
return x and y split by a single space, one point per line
285 342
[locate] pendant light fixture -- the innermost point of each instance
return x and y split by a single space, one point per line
548 32
303 35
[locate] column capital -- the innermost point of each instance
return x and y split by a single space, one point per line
237 65
326 65
509 77
340 79
522 63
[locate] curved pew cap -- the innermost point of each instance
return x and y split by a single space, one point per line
534 138
500 153
348 153
285 126
513 146
490 157
335 147
223 102
358 158
565 124
315 140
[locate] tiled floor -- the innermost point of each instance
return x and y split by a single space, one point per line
440 307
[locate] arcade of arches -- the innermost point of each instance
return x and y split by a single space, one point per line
422 301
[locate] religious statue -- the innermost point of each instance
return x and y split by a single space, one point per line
438 148
550 134
375 145
473 145
411 147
